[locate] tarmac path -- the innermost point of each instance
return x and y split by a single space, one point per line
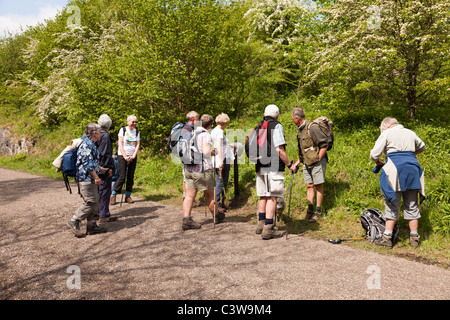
146 255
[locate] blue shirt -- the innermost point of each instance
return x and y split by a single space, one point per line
88 157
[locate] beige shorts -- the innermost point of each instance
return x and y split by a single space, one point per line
270 184
316 174
199 180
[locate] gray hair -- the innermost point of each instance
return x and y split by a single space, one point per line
104 121
190 115
92 128
131 118
387 123
299 113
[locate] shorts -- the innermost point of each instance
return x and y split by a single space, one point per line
199 180
270 184
410 206
316 174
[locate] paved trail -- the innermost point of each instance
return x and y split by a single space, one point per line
146 255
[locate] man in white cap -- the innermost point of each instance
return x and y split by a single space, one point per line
269 173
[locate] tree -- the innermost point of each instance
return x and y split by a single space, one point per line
395 51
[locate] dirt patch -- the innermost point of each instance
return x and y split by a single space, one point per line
146 255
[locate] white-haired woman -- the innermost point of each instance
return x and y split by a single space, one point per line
401 177
128 148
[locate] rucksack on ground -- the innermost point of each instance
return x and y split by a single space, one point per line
175 135
374 223
256 146
326 125
188 150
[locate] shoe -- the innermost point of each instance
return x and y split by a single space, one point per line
107 219
95 228
128 199
316 215
309 215
74 226
269 232
385 241
220 217
260 226
188 223
112 200
414 241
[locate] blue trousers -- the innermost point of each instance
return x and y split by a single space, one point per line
220 192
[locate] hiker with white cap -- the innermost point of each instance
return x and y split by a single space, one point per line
269 172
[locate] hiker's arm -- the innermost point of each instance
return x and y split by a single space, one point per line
219 153
136 150
97 179
322 153
122 151
283 155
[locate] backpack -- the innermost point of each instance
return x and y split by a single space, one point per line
188 150
326 125
374 223
175 135
256 143
69 167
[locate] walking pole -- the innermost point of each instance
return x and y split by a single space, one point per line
289 209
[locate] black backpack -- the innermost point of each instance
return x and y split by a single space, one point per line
374 223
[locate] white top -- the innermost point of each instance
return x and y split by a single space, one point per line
129 140
227 152
394 139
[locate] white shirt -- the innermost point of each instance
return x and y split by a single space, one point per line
129 140
227 153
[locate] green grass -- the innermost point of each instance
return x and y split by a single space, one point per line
349 188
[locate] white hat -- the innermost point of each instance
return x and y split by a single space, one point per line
272 111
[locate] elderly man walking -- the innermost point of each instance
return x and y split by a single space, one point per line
401 176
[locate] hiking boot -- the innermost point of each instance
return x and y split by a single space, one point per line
220 217
260 226
128 199
316 215
309 215
188 223
106 220
112 200
414 241
385 241
95 228
269 232
74 226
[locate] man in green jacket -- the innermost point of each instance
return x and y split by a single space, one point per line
312 152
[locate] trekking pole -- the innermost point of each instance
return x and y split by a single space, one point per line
289 208
337 241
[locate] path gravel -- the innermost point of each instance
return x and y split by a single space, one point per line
146 255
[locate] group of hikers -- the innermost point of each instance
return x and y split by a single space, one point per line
401 175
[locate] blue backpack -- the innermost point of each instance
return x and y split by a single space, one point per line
69 167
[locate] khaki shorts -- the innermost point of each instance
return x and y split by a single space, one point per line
199 180
316 174
270 184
